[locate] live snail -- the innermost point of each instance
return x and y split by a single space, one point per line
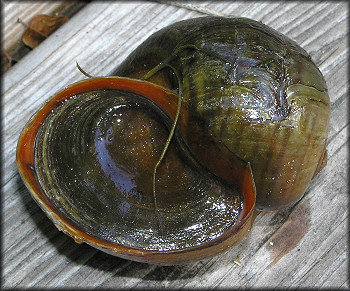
165 162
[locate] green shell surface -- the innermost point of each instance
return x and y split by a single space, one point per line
253 90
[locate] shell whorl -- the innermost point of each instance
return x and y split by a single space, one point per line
251 89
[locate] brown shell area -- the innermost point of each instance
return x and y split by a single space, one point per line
65 169
250 90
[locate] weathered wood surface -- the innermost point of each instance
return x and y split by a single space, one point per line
304 246
14 13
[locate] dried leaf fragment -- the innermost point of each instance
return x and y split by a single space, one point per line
40 27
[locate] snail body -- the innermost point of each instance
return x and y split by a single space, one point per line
206 120
249 89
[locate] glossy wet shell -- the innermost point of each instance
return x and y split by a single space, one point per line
88 157
249 89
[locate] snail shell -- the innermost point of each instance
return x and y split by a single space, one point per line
250 89
253 101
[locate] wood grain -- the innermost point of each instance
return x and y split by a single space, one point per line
304 246
17 17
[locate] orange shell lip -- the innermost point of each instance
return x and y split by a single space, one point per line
25 164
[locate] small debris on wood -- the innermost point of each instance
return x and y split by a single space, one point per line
40 27
237 261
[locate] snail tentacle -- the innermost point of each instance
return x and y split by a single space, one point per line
166 146
172 130
82 71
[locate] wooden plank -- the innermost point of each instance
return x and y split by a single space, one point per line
304 246
18 14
